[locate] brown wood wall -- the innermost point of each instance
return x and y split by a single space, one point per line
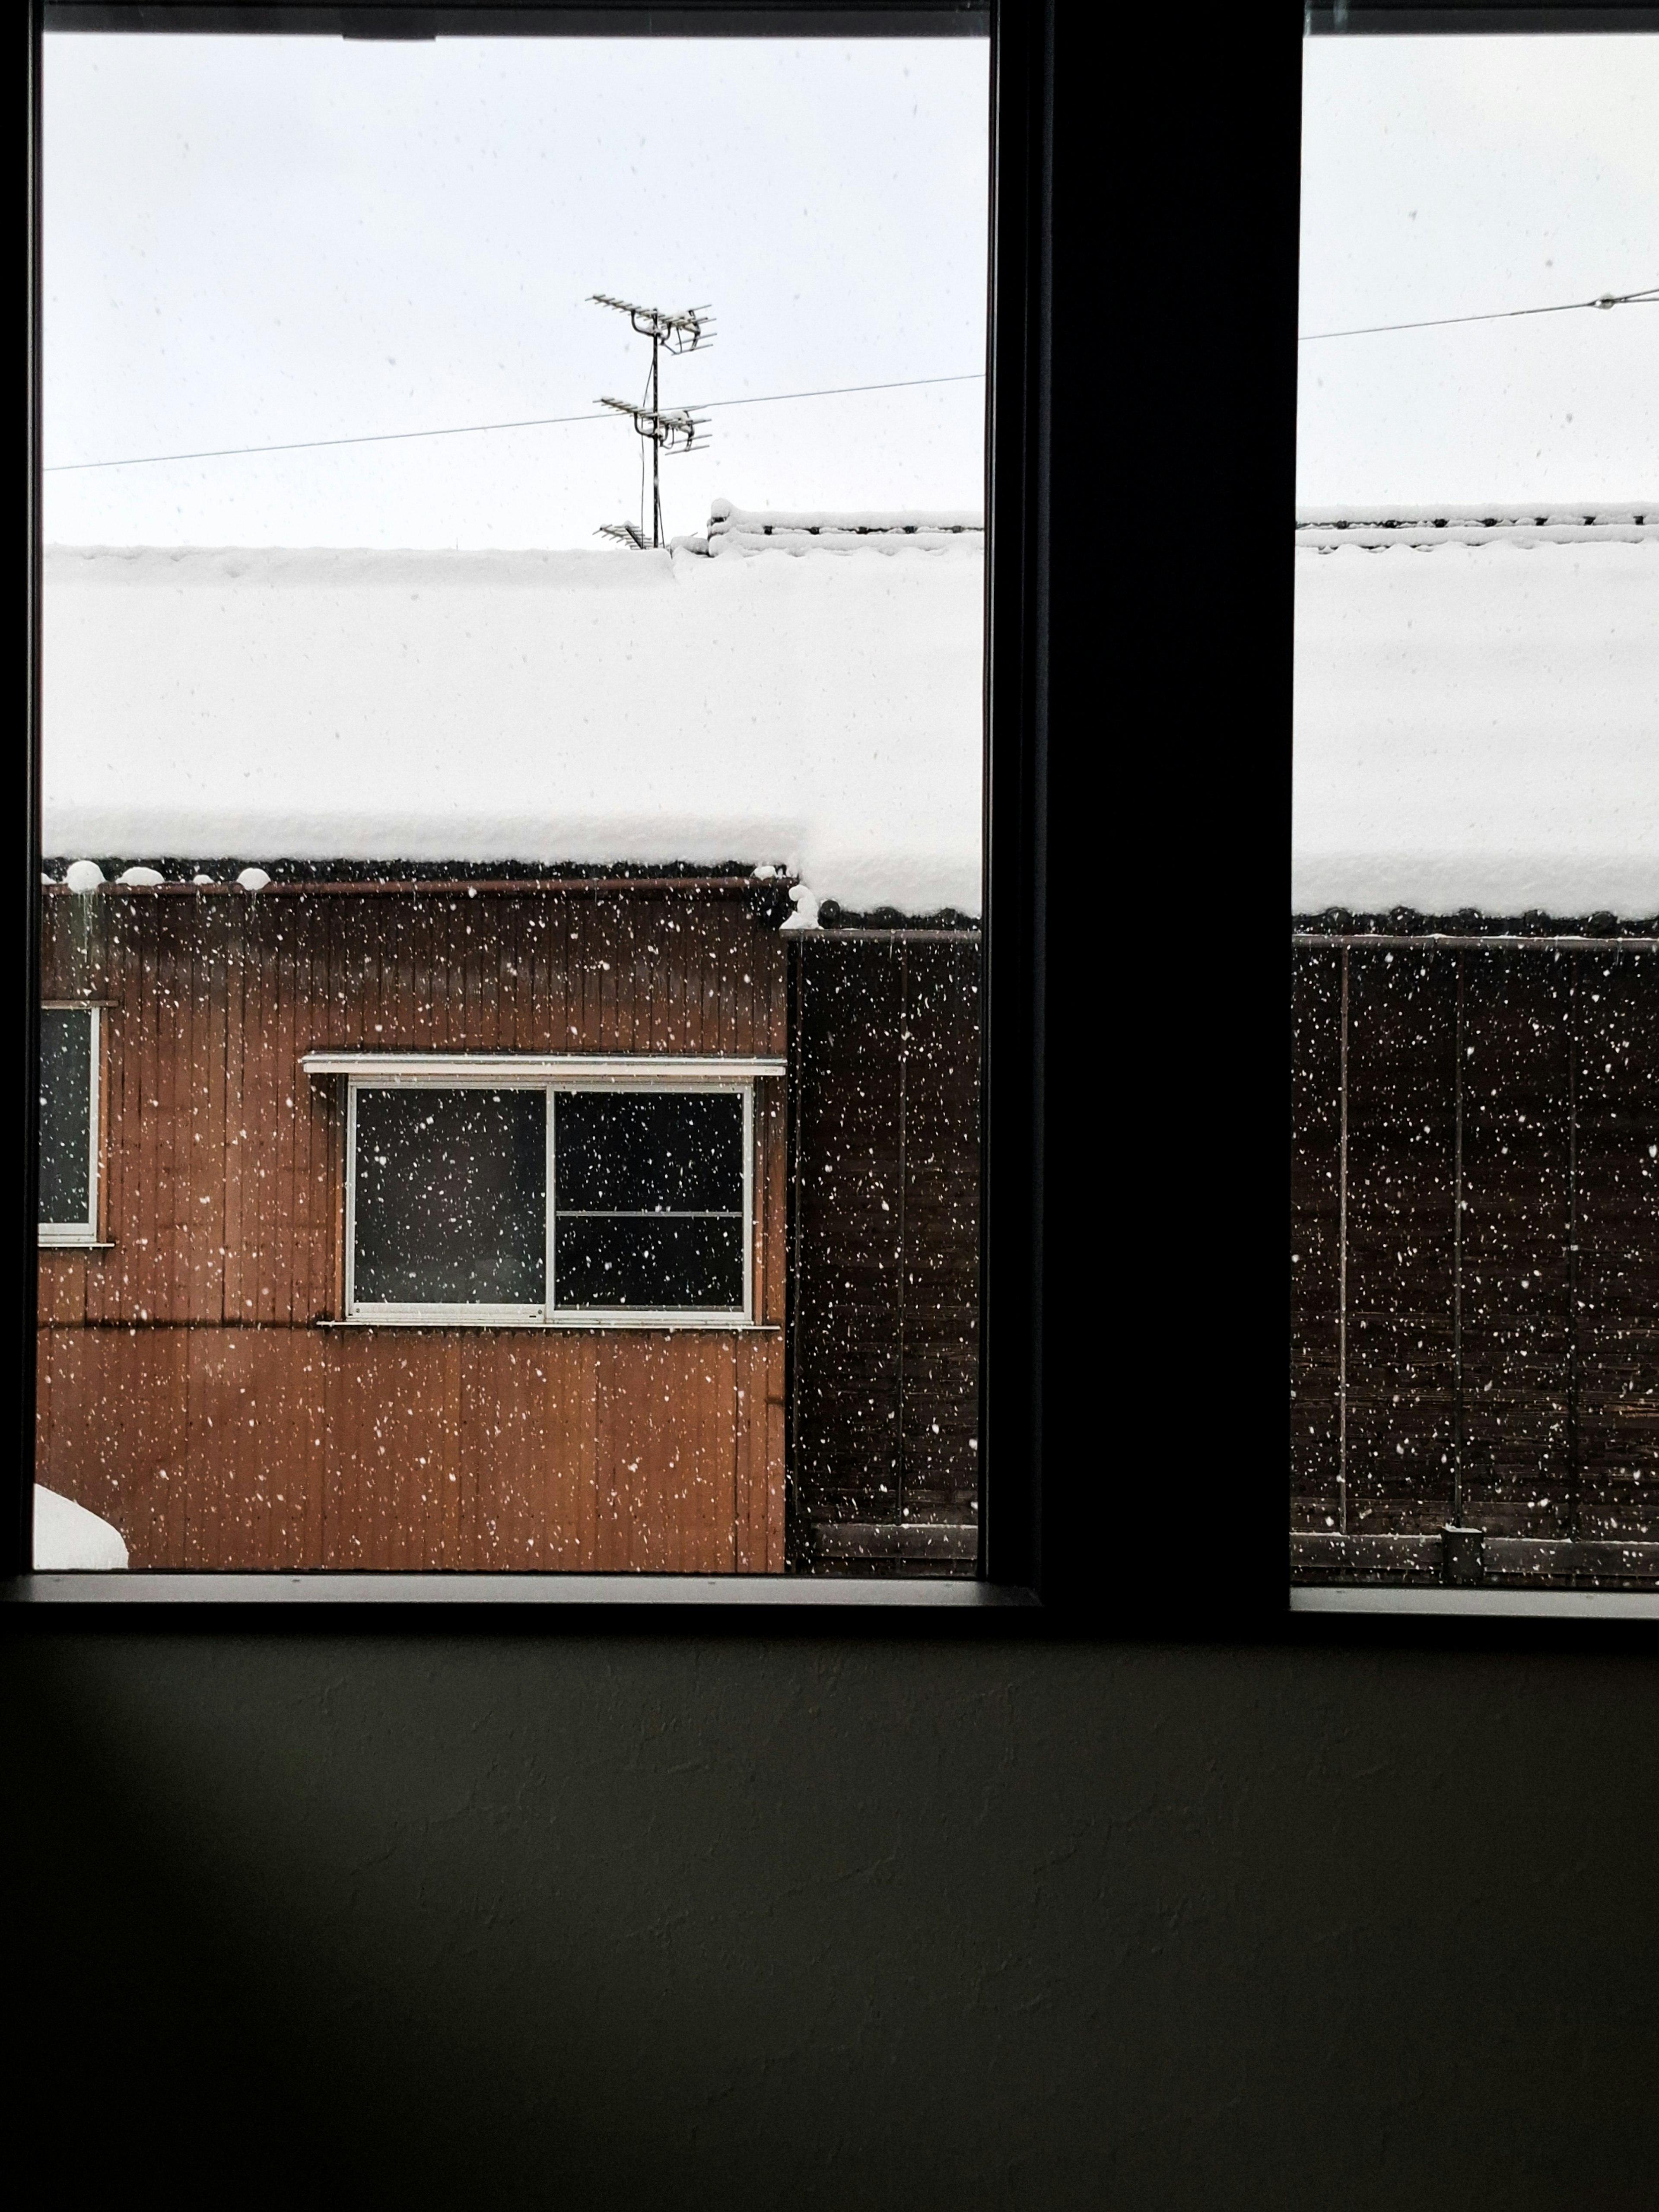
187 1394
886 1378
1523 1359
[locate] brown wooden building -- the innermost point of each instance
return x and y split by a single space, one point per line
202 1384
884 1282
230 1370
538 1186
1475 1251
1475 1106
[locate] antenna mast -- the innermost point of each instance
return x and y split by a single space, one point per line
674 431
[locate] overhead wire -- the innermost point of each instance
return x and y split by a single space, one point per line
1648 299
473 429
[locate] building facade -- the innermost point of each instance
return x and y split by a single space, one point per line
1475 1141
544 1213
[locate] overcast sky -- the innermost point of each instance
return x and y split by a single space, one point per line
1450 176
255 240
258 239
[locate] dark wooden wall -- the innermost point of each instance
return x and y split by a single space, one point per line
1499 1286
885 1397
185 1391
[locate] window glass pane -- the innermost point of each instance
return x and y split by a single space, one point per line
513 605
450 1197
635 1152
65 1114
1476 926
663 1263
675 1159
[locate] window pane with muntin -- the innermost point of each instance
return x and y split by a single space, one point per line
68 1091
450 1198
649 1200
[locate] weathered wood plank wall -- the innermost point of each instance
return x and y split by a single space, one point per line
186 1393
1494 1308
886 1376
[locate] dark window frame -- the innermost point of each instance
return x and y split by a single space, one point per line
1022 87
1086 1524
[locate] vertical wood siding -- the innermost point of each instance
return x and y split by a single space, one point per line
1316 1224
886 1375
187 1394
1501 1264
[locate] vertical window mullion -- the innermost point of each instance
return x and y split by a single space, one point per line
351 1198
94 1129
550 1302
749 1202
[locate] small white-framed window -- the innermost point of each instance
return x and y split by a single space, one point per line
490 1193
70 1042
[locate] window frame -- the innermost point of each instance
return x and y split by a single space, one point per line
1021 37
553 1075
83 1235
1335 1613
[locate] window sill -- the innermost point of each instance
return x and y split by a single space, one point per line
146 1587
1510 1603
76 1243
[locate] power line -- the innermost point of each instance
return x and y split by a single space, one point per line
472 429
1648 299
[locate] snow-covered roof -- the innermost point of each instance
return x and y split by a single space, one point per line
1477 710
820 712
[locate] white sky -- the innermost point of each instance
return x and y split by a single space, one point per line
1450 176
255 240
258 239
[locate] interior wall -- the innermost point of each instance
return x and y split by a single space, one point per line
623 1920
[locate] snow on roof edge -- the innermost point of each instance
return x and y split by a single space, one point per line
724 516
1381 515
1538 523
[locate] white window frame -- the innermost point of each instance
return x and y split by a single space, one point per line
548 1073
80 1235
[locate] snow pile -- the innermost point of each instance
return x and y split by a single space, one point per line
67 1537
823 715
1477 723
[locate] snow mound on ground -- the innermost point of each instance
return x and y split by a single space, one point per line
67 1537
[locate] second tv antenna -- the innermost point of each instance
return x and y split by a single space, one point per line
673 430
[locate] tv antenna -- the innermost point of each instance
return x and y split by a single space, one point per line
672 430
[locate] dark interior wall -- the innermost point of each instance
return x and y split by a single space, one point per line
624 1921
